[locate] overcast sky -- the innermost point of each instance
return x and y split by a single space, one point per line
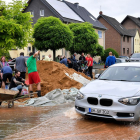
118 9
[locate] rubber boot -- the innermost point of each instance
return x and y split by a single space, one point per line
39 93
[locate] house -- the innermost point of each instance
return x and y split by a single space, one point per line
67 13
46 8
88 17
117 36
133 25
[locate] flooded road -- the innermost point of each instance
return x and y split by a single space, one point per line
60 123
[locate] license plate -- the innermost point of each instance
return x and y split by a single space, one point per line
99 111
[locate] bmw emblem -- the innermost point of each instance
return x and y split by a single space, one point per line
100 96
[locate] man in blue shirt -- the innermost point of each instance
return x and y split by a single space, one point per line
110 60
6 73
74 59
64 61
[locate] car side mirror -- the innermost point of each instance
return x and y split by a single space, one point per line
97 76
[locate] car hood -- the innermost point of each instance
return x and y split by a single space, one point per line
113 88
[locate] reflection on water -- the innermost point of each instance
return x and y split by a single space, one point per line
63 123
71 113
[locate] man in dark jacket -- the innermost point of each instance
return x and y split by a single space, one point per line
82 58
21 65
72 64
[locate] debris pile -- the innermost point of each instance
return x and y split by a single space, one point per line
54 75
54 97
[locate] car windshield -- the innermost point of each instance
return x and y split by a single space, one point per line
122 73
136 55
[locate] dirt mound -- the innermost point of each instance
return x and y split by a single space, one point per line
52 75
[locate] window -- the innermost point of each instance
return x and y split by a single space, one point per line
32 13
127 50
100 34
92 18
121 26
43 56
118 61
124 39
41 12
135 41
135 55
127 39
123 50
29 49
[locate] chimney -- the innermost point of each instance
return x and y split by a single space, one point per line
77 4
100 13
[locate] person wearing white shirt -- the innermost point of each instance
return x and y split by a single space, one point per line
47 58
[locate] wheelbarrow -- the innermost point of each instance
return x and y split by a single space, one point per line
10 96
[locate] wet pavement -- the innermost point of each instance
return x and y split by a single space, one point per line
60 123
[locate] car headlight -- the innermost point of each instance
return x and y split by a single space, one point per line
79 95
130 100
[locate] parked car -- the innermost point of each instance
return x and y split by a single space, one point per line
120 60
135 57
13 62
115 94
125 57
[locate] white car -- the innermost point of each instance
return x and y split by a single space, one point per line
115 94
120 60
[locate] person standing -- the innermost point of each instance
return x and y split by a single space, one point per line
21 65
47 58
3 62
86 58
90 65
57 59
6 73
33 74
82 58
110 60
74 56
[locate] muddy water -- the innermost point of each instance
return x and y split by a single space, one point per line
61 123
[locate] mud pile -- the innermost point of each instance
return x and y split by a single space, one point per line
52 75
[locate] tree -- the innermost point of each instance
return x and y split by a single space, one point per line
106 53
15 26
99 51
5 53
51 33
85 38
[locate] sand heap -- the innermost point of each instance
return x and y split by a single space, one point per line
53 76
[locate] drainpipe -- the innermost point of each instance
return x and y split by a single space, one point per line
121 45
133 44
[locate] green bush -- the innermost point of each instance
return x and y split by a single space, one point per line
106 53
